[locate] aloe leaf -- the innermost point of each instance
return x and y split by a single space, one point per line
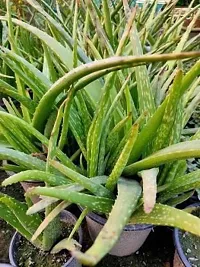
20 85
191 92
40 80
74 35
169 216
128 193
168 119
49 218
24 125
83 111
7 86
145 96
18 209
78 223
11 108
95 131
87 183
126 33
93 50
123 158
22 159
149 179
112 139
41 205
61 30
10 138
184 150
48 66
96 203
22 137
54 136
66 114
11 168
117 98
169 171
27 102
53 228
177 128
62 52
182 42
179 199
104 41
190 76
191 108
75 125
7 215
70 245
18 70
49 178
181 184
107 18
47 101
147 133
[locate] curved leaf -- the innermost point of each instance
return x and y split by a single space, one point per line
184 150
49 178
169 216
46 103
22 159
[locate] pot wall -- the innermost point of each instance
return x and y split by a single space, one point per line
131 239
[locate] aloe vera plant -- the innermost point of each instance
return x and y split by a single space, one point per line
104 112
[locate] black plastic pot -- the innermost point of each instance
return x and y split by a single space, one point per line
65 216
131 239
180 259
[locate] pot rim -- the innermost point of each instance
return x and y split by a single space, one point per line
5 265
17 235
178 245
129 227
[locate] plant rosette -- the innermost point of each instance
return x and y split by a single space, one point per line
17 258
187 246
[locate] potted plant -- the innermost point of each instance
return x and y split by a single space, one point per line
22 250
115 135
186 244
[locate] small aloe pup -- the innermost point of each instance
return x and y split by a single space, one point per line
123 111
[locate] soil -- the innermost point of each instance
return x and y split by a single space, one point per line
191 246
6 233
30 256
